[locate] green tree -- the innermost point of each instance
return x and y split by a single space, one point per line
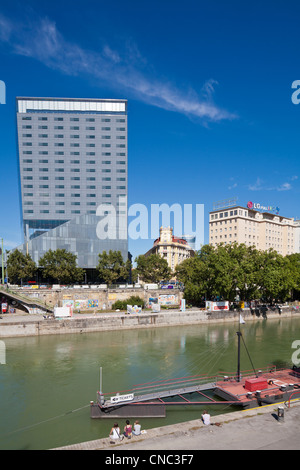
276 278
111 267
294 268
245 264
152 268
226 271
61 266
20 267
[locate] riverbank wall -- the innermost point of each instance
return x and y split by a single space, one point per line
37 325
86 300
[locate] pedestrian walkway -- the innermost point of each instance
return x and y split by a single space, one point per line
247 429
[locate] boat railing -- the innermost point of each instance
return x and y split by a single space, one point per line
295 393
229 376
165 384
295 373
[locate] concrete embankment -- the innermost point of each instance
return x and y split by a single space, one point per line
12 325
255 429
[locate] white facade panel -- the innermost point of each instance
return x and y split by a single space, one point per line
69 105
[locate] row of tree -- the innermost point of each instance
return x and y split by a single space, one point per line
224 272
61 267
228 271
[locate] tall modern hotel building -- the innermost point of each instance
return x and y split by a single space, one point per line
73 176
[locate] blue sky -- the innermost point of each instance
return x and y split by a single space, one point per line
209 87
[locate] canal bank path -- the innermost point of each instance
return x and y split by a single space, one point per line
256 429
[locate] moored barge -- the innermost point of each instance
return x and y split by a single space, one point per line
243 389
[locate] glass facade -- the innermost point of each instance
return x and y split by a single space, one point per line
72 159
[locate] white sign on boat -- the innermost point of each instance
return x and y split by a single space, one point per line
119 398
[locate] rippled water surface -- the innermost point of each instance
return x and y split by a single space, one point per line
47 383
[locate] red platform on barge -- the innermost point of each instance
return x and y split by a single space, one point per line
266 388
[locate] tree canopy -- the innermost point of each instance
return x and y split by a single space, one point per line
61 265
226 271
112 268
20 267
152 268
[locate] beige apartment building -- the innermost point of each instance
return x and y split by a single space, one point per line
264 230
173 249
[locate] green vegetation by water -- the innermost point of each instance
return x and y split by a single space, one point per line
47 382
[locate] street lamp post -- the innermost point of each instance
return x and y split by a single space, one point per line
2 261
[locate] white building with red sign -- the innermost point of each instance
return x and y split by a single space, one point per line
254 225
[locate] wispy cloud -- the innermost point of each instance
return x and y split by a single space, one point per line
284 187
125 71
259 185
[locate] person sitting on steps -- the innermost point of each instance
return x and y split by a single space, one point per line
136 428
115 433
127 429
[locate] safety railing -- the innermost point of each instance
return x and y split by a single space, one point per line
295 393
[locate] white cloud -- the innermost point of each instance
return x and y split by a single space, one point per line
41 40
259 186
284 187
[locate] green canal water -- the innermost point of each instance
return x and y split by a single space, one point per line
48 382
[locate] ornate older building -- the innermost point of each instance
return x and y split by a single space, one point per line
173 249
